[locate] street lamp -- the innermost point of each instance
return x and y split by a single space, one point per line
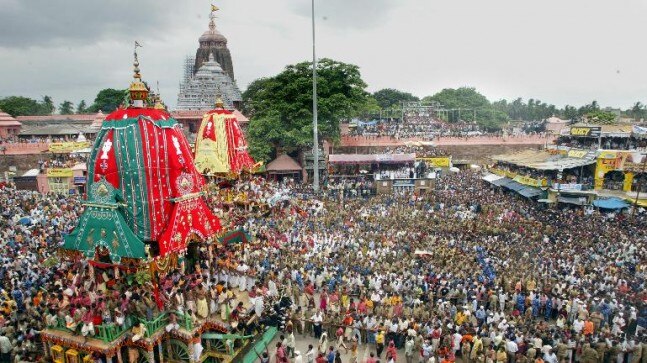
315 128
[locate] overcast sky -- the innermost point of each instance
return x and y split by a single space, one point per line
559 51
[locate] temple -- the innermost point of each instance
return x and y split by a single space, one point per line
209 74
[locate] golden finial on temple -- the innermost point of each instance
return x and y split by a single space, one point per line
219 102
138 90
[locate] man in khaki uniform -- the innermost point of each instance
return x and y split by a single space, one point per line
562 351
589 355
596 318
531 353
601 347
638 353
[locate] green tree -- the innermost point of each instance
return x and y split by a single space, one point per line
108 100
587 109
455 98
280 107
389 97
638 111
570 112
48 105
467 102
81 108
601 117
66 108
21 106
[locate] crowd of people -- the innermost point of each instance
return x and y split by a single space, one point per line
416 126
465 272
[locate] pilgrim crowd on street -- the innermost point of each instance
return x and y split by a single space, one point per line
464 273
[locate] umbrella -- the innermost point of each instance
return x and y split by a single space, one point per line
25 220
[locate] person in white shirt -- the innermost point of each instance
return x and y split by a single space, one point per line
511 349
5 348
550 357
297 357
457 337
317 319
310 354
578 324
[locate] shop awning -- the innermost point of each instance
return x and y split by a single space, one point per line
543 160
371 158
572 200
491 178
501 182
530 192
610 203
513 185
31 173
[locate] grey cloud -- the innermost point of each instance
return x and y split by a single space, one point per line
28 23
560 52
353 14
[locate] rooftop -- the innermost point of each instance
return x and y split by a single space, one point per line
59 118
8 120
283 163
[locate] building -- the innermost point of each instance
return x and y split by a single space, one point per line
212 42
60 127
210 75
209 82
9 126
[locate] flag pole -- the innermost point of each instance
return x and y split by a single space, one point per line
315 128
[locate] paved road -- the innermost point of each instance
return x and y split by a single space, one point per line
303 341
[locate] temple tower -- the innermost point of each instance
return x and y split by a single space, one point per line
213 42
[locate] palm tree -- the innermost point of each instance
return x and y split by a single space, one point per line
638 110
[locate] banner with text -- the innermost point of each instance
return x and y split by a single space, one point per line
586 131
59 173
440 162
526 180
68 147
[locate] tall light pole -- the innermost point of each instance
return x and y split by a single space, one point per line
315 128
639 186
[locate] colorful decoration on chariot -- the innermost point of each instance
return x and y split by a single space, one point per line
220 147
236 236
143 186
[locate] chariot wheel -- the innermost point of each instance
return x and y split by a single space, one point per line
179 351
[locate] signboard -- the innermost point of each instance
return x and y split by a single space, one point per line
498 172
567 187
60 173
510 174
67 147
79 180
526 180
575 153
404 183
383 157
439 162
586 131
